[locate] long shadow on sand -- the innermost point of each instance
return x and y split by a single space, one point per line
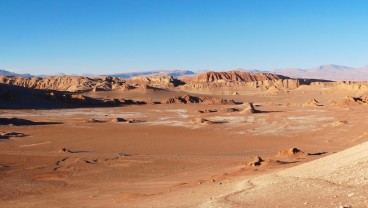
16 97
23 122
286 162
261 111
9 137
317 153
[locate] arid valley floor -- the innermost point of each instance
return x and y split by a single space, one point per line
187 142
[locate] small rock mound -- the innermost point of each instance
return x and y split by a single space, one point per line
292 152
312 103
130 120
340 123
65 150
229 110
118 120
134 121
208 111
201 121
93 120
249 109
256 162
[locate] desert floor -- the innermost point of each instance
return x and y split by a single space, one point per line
167 160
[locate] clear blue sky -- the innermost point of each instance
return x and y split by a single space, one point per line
109 36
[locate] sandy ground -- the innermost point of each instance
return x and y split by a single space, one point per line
168 161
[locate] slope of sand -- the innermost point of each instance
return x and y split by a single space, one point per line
338 180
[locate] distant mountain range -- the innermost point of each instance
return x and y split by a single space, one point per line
331 72
127 75
8 73
174 73
328 72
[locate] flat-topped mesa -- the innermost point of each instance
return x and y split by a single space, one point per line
63 83
237 76
238 81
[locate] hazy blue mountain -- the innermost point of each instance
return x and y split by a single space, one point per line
174 73
9 73
328 72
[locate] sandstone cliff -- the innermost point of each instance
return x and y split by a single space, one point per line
235 76
63 83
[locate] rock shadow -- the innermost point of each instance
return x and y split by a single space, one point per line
23 122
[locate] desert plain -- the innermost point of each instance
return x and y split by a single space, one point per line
218 139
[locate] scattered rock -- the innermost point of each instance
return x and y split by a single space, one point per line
66 150
340 123
134 121
229 110
256 162
249 109
201 121
312 103
94 121
292 152
118 120
123 154
207 111
6 135
130 120
91 161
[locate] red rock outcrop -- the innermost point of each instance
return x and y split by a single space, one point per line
236 76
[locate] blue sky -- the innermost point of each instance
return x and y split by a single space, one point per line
111 36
